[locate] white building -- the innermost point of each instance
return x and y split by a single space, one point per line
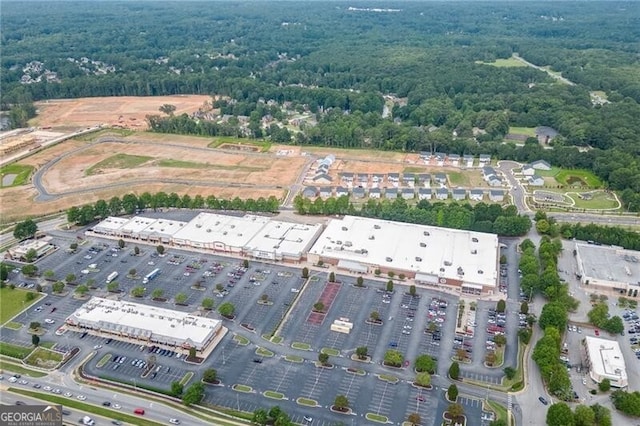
462 260
606 361
148 325
607 268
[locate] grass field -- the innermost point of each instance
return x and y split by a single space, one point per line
14 351
600 200
15 368
459 178
22 174
12 325
580 177
503 63
261 145
118 161
529 131
44 358
90 408
13 301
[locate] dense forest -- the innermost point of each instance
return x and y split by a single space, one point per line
341 61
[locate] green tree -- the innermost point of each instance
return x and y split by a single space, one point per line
57 287
121 243
30 255
208 303
501 306
73 247
176 388
226 309
374 316
604 385
25 229
454 370
260 416
393 358
323 358
452 392
389 286
137 291
70 278
81 290
332 277
181 298
34 325
318 306
423 379
193 394
584 416
500 340
360 282
426 363
35 339
136 250
210 375
49 275
192 352
627 402
412 290
602 415
132 272
455 410
553 314
341 403
29 270
524 308
160 249
305 272
113 287
414 419
157 293
559 414
362 352
510 372
28 297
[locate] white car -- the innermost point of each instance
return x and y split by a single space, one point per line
68 394
49 321
81 397
97 347
174 421
47 388
116 406
12 380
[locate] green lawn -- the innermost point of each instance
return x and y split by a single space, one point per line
528 131
241 340
330 351
293 358
599 200
12 325
185 379
261 145
504 63
458 178
376 418
44 358
242 388
118 161
573 176
301 346
14 351
499 410
13 301
388 378
307 401
22 174
273 394
15 368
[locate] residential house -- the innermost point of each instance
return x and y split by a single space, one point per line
341 190
440 157
408 193
440 178
454 159
459 194
425 179
391 193
346 177
424 193
425 156
310 192
375 193
528 170
468 160
485 159
377 178
541 165
363 178
328 160
494 180
442 193
476 194
408 178
490 176
358 192
536 180
496 195
488 171
322 178
326 191
393 177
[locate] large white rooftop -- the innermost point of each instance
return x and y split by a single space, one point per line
606 359
235 231
447 253
139 320
610 263
284 237
111 224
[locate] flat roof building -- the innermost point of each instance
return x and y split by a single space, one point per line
608 268
150 325
439 257
278 240
606 361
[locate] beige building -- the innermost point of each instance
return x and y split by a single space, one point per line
607 268
605 361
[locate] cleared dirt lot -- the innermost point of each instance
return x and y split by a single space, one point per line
125 111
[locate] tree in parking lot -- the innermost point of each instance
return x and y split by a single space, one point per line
49 275
207 303
57 287
157 293
160 249
180 298
136 250
391 274
423 379
501 306
500 339
81 290
210 375
151 361
318 307
34 325
425 363
70 278
503 259
360 282
374 316
121 243
193 394
361 352
35 339
604 385
454 371
305 272
412 290
323 358
29 270
219 287
393 358
389 286
560 414
414 419
192 352
113 287
176 388
245 263
524 308
332 277
455 410
132 272
509 372
490 358
461 355
137 291
260 416
341 403
452 392
226 309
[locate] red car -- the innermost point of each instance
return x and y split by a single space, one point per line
597 332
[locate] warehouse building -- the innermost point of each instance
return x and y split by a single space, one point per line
605 361
148 325
457 260
607 268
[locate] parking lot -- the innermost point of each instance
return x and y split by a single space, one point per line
263 294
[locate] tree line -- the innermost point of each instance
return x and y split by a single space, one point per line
491 218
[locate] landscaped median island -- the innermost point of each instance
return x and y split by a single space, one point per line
273 394
294 358
388 378
307 402
330 351
103 361
242 388
185 379
376 418
264 352
301 346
